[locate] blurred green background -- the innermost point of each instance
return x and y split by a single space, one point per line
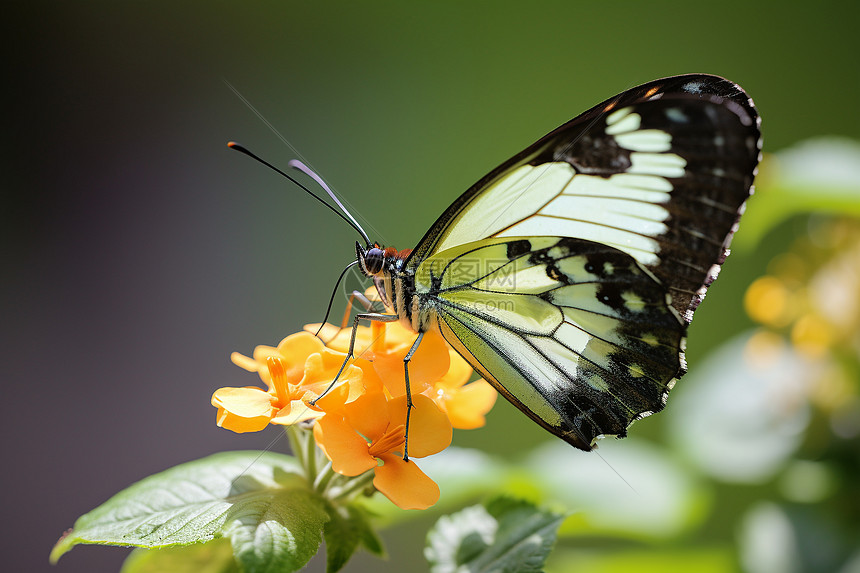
139 251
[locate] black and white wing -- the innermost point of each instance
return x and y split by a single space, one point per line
660 172
568 275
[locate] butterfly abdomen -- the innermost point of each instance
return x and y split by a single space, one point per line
414 310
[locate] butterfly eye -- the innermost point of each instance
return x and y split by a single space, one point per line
373 260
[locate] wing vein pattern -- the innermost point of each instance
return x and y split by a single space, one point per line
568 275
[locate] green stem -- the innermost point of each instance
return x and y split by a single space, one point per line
358 484
311 454
323 479
298 449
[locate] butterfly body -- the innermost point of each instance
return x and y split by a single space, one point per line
568 275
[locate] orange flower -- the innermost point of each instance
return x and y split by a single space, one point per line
296 372
385 344
361 421
465 404
435 369
370 434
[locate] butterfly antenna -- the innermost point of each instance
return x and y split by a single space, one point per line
296 164
331 300
351 222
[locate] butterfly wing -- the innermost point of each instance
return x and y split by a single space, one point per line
660 172
574 333
567 275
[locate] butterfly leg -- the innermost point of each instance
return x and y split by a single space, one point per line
406 360
349 354
362 300
355 296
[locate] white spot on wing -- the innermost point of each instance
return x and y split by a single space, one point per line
645 140
624 123
623 186
644 218
663 164
617 115
642 248
624 211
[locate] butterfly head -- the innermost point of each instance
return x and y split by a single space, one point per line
374 259
370 259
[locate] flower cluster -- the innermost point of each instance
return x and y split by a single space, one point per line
360 422
811 297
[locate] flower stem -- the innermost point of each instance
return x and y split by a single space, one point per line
323 479
310 454
358 484
298 449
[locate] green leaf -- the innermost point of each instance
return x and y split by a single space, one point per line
369 539
344 531
277 531
213 557
505 535
260 501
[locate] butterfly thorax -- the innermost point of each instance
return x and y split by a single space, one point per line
395 283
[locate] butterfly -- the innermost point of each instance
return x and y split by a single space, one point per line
568 275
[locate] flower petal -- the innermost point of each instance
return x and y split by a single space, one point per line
430 430
405 484
294 412
243 409
338 338
343 446
326 331
261 354
245 362
352 376
391 337
458 373
318 378
429 363
320 439
369 415
467 406
371 380
295 350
